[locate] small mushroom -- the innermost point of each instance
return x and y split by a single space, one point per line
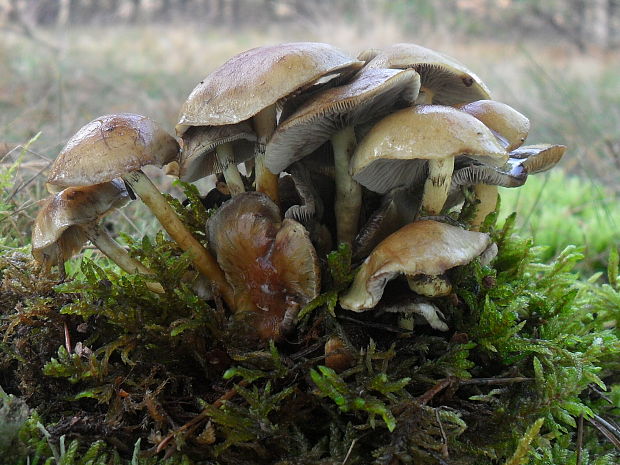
538 158
332 114
506 123
395 150
338 356
118 146
444 80
270 264
69 218
251 85
399 207
425 247
216 149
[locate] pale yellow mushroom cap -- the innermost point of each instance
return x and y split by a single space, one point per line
258 78
60 216
449 81
508 125
392 152
421 248
372 94
109 147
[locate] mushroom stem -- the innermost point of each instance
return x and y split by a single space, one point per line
487 195
202 259
430 286
264 124
233 179
111 249
348 191
437 185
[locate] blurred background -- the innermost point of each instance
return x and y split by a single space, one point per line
65 62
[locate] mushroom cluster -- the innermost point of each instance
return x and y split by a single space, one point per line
376 152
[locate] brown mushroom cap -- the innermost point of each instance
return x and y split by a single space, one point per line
258 78
449 81
393 151
198 158
61 214
372 94
538 158
508 125
271 265
110 146
421 248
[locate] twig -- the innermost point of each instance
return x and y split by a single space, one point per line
444 439
610 430
194 422
579 439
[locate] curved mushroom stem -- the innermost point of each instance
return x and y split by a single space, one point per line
437 185
430 286
487 195
225 155
111 249
264 124
348 191
202 259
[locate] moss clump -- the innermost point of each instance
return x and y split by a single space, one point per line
118 374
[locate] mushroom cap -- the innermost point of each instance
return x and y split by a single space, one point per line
198 158
258 78
109 147
538 158
61 214
270 265
450 81
506 123
372 94
392 152
424 247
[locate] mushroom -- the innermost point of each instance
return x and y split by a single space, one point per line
399 207
217 149
69 218
511 129
251 84
506 123
118 146
333 114
523 161
425 247
444 80
393 152
271 266
338 356
538 158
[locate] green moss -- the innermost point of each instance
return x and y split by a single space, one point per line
530 350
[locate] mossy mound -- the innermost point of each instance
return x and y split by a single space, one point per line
526 373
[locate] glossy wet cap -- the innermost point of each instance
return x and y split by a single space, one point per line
422 248
109 147
258 78
372 94
391 153
61 214
270 264
506 123
450 81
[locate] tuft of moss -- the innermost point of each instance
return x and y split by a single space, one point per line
118 374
